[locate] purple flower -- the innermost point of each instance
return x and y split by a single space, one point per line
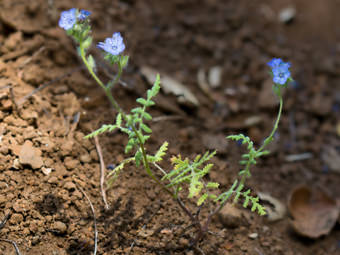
83 14
280 70
113 45
68 19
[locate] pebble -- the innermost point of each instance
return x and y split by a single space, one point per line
232 217
70 163
16 218
60 227
253 235
214 77
53 180
70 186
46 170
30 156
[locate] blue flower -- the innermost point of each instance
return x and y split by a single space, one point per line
280 70
275 62
281 74
113 45
68 19
83 14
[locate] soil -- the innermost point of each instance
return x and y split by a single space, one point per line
46 165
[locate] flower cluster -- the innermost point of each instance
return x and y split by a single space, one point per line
70 17
280 71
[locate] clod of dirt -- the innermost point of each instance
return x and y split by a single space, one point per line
314 212
30 156
59 227
276 210
232 217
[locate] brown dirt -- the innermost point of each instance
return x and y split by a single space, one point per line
47 213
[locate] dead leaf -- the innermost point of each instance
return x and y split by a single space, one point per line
170 85
276 211
314 212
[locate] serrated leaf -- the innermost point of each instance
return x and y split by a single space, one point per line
114 173
101 130
138 157
212 185
161 152
119 119
202 199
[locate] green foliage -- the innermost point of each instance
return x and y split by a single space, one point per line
159 154
236 191
192 173
248 158
115 172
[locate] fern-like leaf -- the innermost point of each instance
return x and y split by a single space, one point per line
104 128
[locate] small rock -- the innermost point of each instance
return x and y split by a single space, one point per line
214 78
253 235
46 170
145 232
53 180
16 164
287 15
30 156
70 186
17 122
16 218
232 217
60 227
85 158
184 242
70 163
22 205
66 148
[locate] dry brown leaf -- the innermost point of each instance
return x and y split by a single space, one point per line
314 211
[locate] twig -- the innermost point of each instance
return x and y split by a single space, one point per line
13 243
102 171
94 220
21 101
27 61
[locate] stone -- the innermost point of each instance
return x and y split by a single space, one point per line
30 156
232 217
59 227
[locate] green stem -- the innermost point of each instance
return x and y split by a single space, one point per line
270 137
107 90
266 141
